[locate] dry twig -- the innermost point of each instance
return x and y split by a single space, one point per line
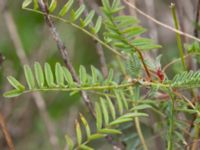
196 33
6 133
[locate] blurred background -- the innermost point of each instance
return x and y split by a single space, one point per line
24 120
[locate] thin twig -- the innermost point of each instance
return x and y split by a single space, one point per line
99 48
137 122
196 33
143 63
40 102
6 133
64 51
176 60
178 37
160 23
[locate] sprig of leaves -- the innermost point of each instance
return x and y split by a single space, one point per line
108 118
75 15
123 31
61 80
186 79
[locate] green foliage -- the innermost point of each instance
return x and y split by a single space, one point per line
105 125
61 80
124 93
75 15
193 48
186 80
123 31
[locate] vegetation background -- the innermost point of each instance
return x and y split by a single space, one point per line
23 119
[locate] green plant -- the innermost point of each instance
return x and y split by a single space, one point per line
120 101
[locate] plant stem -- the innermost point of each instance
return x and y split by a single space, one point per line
139 131
137 121
170 142
6 133
196 32
196 136
178 37
143 63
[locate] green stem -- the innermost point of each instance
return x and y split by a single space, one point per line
196 136
170 142
136 120
139 131
178 37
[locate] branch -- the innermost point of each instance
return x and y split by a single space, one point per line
63 50
6 133
197 20
40 102
160 23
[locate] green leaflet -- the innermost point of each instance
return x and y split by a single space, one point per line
99 119
29 77
94 74
141 106
16 84
106 5
83 75
104 111
70 143
119 102
110 76
39 75
66 8
115 4
111 107
119 121
59 75
132 115
144 44
68 76
36 6
26 3
49 75
96 136
12 93
197 120
53 5
78 133
86 125
110 131
98 25
76 14
85 147
127 21
123 99
132 31
88 18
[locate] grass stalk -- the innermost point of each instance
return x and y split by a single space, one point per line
170 138
178 37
